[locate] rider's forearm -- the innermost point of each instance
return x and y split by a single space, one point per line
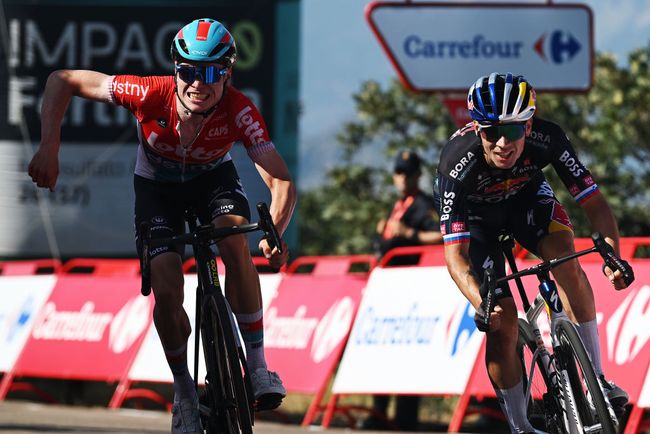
429 237
461 272
56 98
283 202
602 219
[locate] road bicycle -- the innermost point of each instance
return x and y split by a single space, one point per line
226 404
561 388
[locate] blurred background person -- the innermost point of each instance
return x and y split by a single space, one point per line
411 222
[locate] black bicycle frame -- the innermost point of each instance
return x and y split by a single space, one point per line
208 284
542 270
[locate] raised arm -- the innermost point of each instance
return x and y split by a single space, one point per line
61 86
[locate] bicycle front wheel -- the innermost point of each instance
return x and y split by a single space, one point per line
545 409
234 409
587 406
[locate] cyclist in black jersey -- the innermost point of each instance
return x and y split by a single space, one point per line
489 181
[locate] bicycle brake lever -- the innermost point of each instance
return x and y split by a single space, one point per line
611 259
486 290
270 231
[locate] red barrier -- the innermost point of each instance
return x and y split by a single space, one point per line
35 266
421 256
308 321
261 264
102 267
90 328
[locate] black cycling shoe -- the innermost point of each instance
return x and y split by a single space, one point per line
268 401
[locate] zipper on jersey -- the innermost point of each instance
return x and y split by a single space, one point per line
187 147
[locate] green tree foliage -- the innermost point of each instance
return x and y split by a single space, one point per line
609 126
610 129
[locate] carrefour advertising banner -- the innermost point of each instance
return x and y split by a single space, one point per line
89 328
22 299
414 333
446 47
99 140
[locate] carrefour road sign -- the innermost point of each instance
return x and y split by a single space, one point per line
446 47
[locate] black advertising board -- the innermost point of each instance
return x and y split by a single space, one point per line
117 40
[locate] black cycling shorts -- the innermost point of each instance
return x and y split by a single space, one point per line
531 215
163 204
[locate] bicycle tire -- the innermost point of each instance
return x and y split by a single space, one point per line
572 358
214 417
544 408
239 416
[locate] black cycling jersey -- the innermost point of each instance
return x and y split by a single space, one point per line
465 178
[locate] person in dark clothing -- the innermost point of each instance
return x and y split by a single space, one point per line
411 222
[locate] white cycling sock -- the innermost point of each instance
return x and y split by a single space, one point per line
251 326
513 406
588 332
183 383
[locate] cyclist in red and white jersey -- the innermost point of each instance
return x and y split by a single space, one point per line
187 124
490 180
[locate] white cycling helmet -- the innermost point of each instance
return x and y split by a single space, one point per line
501 98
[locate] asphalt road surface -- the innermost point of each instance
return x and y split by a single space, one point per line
21 417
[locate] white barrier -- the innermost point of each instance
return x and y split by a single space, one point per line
414 334
22 299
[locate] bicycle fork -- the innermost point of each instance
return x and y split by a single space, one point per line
553 399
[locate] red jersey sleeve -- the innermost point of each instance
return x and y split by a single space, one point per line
249 123
137 94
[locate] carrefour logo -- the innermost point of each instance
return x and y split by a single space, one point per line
558 47
627 329
461 335
478 46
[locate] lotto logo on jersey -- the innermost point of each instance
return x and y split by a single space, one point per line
253 129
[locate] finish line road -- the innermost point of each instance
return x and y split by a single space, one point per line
21 417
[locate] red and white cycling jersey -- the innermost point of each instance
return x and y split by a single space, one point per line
161 156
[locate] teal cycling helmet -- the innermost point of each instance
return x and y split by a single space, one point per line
501 98
204 40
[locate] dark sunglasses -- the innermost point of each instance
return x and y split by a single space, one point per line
511 132
209 74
